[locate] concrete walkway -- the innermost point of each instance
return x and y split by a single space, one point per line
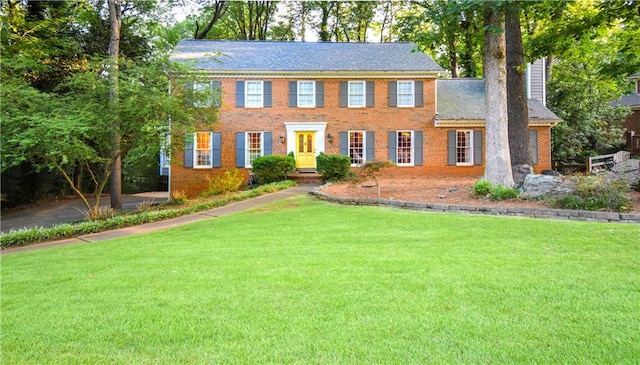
174 222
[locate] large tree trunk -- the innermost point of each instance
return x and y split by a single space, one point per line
115 20
517 107
498 161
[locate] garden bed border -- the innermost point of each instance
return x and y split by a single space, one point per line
549 213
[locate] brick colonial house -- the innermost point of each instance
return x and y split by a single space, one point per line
369 101
632 122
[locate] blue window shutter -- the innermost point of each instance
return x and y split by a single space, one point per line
240 94
240 149
371 143
216 89
216 148
417 149
344 94
293 94
344 143
267 94
452 159
419 93
319 94
533 145
268 143
188 93
370 94
393 153
188 150
477 147
393 93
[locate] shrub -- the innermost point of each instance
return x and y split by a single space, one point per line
178 197
227 182
482 188
596 193
485 189
333 167
273 168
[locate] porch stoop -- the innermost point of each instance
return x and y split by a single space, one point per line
306 177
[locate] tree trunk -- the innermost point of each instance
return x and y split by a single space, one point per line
115 20
517 107
498 161
220 6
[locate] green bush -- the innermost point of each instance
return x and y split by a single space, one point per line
273 168
227 182
333 167
595 192
485 189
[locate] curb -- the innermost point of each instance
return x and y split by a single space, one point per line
547 213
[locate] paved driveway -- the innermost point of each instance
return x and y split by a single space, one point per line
69 210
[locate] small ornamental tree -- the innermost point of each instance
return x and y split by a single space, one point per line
371 168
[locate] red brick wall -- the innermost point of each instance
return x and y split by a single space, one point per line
379 119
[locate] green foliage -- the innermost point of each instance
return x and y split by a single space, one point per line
333 167
596 192
25 236
227 182
268 169
484 189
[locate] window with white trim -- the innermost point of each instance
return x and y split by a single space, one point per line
405 94
357 147
254 94
357 94
464 147
254 145
404 148
306 94
202 153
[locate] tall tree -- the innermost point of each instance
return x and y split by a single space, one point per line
113 68
518 113
215 11
249 20
498 167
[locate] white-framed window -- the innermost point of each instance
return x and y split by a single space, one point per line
203 151
357 94
404 148
254 147
306 94
406 94
464 147
357 147
254 94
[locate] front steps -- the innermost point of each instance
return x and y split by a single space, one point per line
305 177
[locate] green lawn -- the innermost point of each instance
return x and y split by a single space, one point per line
304 281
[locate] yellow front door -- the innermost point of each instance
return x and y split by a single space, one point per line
306 150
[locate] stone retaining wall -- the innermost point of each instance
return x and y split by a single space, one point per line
566 214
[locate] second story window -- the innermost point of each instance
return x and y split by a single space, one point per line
306 94
357 94
253 95
405 94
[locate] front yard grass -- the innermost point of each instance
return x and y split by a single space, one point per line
304 281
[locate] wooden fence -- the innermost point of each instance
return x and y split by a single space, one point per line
606 161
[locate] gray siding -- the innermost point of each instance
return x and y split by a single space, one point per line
535 81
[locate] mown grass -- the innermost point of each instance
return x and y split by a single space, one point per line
303 281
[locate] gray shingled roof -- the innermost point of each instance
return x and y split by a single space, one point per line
635 76
252 56
463 99
631 100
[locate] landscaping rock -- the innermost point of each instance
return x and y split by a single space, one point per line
520 172
550 173
538 185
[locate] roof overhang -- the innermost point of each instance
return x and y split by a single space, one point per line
320 74
471 123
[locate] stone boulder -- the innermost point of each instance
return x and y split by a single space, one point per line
520 172
539 185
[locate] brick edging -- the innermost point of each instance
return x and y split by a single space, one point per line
550 213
